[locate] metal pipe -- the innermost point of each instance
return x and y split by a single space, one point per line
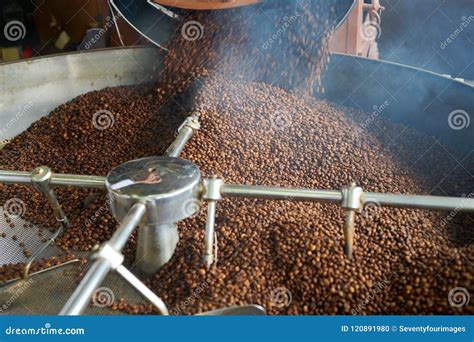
185 132
349 225
81 297
22 177
208 256
51 240
177 146
156 244
145 291
419 202
277 193
128 225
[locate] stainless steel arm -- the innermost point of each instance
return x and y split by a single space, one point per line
21 177
336 196
185 132
103 265
351 199
419 202
145 291
277 193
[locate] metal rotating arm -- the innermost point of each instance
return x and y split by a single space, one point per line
351 198
185 133
109 258
56 180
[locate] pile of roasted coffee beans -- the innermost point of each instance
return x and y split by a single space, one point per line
270 251
254 133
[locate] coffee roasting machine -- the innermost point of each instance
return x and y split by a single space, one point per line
153 194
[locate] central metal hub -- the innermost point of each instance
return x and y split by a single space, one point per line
170 188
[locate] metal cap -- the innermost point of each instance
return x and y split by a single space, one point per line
170 187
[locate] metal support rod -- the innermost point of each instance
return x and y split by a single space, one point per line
81 297
419 202
277 193
208 256
212 195
351 201
336 196
349 225
185 133
145 291
57 208
50 241
351 198
41 179
57 180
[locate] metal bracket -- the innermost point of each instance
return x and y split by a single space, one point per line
351 201
212 194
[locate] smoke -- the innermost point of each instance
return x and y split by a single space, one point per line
434 35
283 43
